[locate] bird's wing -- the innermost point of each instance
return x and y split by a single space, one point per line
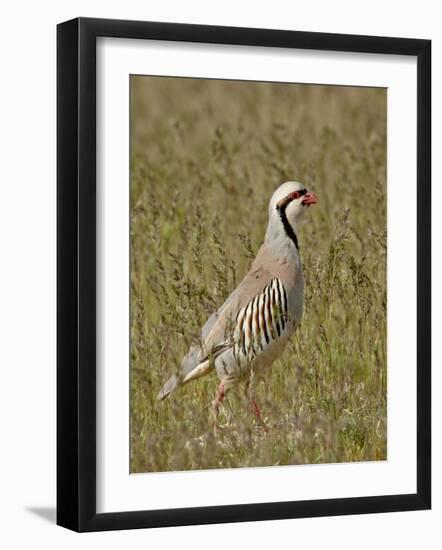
218 330
267 267
216 334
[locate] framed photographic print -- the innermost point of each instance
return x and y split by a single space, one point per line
243 274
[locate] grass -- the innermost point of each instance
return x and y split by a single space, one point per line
205 159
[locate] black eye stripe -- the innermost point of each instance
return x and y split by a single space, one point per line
296 194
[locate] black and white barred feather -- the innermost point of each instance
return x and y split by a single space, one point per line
261 322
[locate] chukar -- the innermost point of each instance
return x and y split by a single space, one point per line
251 329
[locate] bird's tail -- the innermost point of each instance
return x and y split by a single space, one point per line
175 381
170 386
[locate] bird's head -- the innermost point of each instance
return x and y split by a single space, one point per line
286 209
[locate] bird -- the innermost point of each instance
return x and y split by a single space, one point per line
251 329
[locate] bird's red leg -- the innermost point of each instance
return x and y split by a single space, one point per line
219 397
257 412
254 405
255 409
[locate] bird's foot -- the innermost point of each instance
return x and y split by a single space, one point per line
257 412
264 427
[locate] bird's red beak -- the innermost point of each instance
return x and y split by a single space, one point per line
309 198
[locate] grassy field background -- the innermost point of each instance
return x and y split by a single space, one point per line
205 159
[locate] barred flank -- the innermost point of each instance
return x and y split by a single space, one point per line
261 321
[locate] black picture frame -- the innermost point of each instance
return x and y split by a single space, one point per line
77 287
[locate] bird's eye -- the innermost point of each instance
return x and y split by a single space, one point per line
283 203
297 194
